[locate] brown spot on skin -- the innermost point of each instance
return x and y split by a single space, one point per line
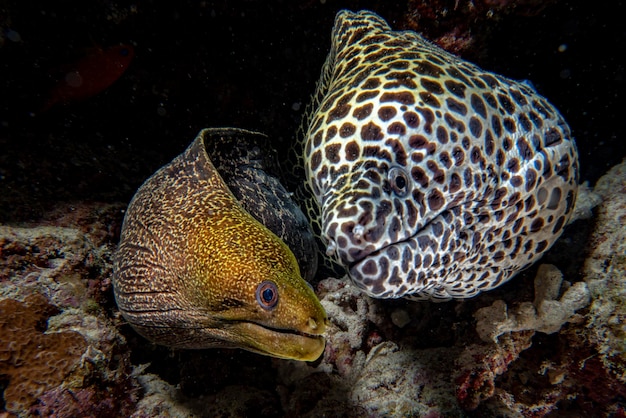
431 86
429 99
541 246
435 200
455 73
398 150
444 158
535 119
366 95
516 181
456 106
496 126
332 153
455 183
411 119
403 79
529 203
552 137
467 178
442 135
531 178
478 83
506 103
317 139
377 152
475 155
352 151
347 130
341 109
513 165
396 128
524 122
509 125
458 89
427 68
491 100
386 113
417 157
518 97
489 143
371 84
371 132
400 97
420 176
459 156
507 144
316 160
362 112
500 157
524 149
438 174
330 134
400 65
558 225
478 105
418 141
536 225
490 80
429 118
476 128
369 268
454 123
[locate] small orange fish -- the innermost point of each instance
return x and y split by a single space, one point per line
90 75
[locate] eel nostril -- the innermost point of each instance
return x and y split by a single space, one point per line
357 232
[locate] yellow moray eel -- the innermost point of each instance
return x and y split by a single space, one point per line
430 178
195 270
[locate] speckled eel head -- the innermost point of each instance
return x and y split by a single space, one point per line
433 178
194 270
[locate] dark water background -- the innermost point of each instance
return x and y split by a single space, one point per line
252 65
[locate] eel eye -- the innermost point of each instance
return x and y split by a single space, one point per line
399 181
267 295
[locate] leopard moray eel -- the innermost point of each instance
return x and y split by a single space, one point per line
430 177
195 270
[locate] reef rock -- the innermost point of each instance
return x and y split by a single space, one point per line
545 314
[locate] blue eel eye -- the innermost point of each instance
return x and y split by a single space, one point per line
267 295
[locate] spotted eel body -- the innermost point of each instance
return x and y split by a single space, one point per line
195 270
432 178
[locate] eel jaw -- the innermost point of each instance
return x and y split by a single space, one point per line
367 283
280 343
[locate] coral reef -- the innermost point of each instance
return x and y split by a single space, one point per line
363 372
32 361
455 26
61 354
486 362
605 270
544 314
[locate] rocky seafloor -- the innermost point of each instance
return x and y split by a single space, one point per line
557 347
551 342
